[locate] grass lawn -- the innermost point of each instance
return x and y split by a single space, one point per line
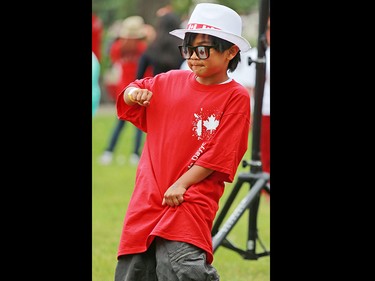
112 186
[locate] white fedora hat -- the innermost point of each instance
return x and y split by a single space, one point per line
216 20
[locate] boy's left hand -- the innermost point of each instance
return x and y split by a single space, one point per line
174 195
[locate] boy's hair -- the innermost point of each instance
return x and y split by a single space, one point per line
220 45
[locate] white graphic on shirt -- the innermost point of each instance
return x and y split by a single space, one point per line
197 154
205 125
199 128
211 124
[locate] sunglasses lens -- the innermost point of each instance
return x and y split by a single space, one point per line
186 52
202 52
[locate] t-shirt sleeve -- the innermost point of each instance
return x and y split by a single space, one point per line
226 149
135 114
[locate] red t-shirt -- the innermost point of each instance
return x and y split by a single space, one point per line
115 50
125 56
97 30
186 123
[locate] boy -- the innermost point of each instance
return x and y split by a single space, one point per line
197 125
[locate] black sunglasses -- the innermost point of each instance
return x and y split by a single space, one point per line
202 52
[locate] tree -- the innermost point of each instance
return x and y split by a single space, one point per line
111 10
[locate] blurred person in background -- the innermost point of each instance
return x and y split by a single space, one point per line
265 136
96 36
246 75
112 75
95 84
125 52
162 55
166 9
245 72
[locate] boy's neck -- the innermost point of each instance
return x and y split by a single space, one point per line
213 80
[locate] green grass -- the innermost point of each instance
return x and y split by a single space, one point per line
111 190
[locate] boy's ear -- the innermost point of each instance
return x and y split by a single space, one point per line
232 51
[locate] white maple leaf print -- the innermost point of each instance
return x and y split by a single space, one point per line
204 130
211 124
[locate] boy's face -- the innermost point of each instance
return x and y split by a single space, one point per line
215 66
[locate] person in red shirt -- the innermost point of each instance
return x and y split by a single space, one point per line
125 52
128 48
265 144
197 124
97 31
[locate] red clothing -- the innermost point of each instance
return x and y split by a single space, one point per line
186 123
115 50
97 30
125 56
265 143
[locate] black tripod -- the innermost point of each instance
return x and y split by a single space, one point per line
256 178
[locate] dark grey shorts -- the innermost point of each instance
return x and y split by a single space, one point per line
166 261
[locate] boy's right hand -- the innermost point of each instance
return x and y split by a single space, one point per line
135 95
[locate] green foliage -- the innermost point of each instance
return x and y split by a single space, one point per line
182 7
241 7
112 186
112 10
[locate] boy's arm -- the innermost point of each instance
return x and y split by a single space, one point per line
174 194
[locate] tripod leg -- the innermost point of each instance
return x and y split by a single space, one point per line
253 222
238 212
228 203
